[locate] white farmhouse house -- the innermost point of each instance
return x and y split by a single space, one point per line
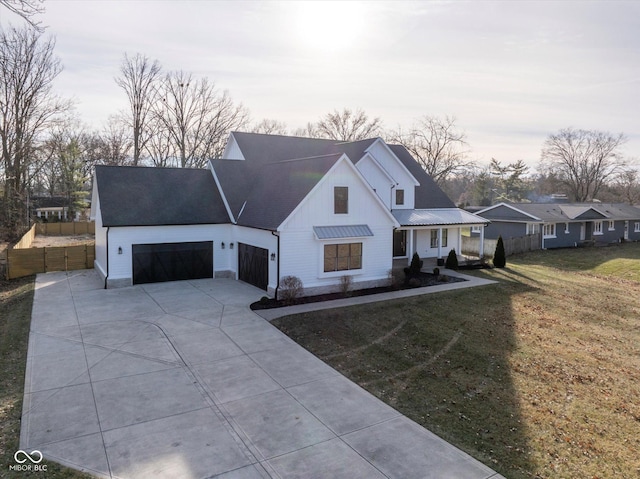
271 207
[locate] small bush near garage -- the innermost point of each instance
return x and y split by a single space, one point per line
290 288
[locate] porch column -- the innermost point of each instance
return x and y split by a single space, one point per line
410 234
439 243
481 252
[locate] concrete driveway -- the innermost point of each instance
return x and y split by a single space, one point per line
184 380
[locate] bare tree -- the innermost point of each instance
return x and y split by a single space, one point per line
439 147
270 127
309 131
628 186
137 78
195 117
347 125
28 107
111 146
584 160
26 9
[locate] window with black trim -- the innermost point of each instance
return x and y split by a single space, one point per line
340 200
399 197
342 257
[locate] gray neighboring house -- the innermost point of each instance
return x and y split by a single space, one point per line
563 224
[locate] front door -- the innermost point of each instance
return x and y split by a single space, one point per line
583 231
400 243
626 230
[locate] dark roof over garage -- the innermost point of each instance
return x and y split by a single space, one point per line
140 196
263 196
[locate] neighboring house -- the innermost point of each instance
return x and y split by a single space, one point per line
274 206
564 224
53 208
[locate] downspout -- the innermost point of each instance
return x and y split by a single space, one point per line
277 265
107 275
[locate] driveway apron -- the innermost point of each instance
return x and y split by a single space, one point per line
183 380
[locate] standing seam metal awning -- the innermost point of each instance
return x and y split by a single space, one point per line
345 231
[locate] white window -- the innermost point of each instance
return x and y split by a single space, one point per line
636 227
597 227
549 230
532 228
566 228
476 229
612 225
340 200
434 238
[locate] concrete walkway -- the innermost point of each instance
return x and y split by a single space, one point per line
470 282
182 380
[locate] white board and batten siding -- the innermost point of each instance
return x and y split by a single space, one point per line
121 265
393 166
100 262
423 242
303 254
378 179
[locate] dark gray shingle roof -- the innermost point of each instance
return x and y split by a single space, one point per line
139 196
278 188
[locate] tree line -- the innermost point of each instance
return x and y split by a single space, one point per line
176 119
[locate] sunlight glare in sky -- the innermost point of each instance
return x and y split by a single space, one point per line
328 26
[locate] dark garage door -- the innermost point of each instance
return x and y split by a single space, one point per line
154 263
253 265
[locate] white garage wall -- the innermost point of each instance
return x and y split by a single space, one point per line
121 265
100 262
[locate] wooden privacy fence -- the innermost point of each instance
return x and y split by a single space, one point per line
520 244
66 229
25 262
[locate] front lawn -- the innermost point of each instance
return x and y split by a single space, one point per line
537 376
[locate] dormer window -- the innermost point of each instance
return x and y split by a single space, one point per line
399 197
341 200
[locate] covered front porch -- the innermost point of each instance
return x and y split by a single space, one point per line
433 233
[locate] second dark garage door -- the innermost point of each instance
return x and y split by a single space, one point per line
154 263
253 265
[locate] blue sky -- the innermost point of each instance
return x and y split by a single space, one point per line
510 72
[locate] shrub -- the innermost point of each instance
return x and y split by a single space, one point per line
395 279
290 288
452 260
499 257
443 279
436 271
415 283
264 300
416 264
346 284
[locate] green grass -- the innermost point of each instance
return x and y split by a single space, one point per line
537 376
16 299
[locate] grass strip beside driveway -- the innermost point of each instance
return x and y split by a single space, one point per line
537 376
16 300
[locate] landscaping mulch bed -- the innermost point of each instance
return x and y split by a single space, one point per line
421 280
